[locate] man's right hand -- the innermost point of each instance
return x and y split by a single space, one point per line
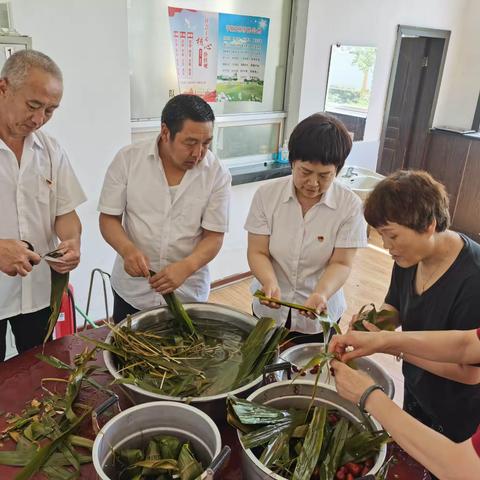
271 291
136 264
16 258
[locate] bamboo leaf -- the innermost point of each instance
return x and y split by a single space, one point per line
261 296
59 283
274 450
42 455
189 467
308 458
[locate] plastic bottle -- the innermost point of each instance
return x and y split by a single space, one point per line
284 154
277 156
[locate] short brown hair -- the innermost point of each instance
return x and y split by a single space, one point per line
320 138
410 198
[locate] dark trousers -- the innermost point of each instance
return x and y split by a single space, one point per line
411 406
121 308
298 337
29 330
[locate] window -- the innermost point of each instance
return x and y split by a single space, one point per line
153 77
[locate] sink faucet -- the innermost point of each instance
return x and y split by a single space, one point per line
350 173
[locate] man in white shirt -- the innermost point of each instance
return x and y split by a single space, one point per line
164 208
39 193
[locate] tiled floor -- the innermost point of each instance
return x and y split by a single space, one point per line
368 283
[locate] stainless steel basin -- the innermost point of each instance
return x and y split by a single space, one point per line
213 405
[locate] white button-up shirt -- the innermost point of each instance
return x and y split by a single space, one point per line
165 227
32 195
300 247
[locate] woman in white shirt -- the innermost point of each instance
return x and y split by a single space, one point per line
304 229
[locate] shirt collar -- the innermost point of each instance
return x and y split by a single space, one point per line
30 140
328 198
35 140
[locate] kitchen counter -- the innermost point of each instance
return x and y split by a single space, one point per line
20 382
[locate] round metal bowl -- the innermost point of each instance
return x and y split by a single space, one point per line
134 427
300 355
214 405
299 395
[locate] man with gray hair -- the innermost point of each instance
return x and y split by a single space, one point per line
38 193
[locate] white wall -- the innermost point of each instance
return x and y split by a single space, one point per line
461 87
88 39
374 23
232 259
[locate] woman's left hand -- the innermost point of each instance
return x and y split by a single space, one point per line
350 383
316 301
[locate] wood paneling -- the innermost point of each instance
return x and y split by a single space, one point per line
467 212
454 160
445 160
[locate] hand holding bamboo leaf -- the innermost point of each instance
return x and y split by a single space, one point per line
383 319
302 308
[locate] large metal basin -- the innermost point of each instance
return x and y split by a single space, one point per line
215 405
134 427
298 395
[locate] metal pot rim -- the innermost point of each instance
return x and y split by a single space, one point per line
108 359
181 406
381 454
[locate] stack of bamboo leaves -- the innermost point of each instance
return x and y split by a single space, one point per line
165 457
44 432
205 358
318 444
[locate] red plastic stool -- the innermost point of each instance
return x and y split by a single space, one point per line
66 323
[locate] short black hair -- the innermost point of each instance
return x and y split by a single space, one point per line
185 107
320 138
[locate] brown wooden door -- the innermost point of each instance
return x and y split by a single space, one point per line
403 104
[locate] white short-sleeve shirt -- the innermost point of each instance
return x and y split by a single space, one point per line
300 247
166 226
32 195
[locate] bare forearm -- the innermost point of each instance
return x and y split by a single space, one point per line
467 374
205 251
437 453
68 227
333 278
114 234
262 268
454 346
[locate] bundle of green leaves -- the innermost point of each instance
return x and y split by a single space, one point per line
169 360
313 444
44 433
381 319
165 457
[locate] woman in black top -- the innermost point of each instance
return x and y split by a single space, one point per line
435 285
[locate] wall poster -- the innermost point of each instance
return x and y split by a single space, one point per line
219 56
